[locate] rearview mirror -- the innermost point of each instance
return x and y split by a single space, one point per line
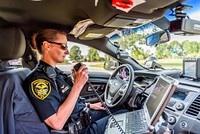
157 38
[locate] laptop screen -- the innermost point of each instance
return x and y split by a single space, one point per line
158 93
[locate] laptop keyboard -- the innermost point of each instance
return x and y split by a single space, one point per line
136 122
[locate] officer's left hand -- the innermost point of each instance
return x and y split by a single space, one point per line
97 106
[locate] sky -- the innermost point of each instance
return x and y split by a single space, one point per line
193 12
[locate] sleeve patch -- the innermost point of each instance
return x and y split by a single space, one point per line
41 88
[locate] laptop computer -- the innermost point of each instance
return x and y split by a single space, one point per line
144 120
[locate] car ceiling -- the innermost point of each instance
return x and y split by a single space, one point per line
29 15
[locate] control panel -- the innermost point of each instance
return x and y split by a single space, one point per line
178 104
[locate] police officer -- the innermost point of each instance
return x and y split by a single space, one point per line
54 96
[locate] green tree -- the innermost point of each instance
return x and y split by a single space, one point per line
192 49
133 42
139 53
130 41
107 57
187 47
93 55
75 53
177 48
163 51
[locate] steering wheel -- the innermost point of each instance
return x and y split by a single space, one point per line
118 88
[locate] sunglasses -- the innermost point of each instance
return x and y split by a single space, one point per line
63 45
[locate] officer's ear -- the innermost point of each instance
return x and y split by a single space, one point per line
46 45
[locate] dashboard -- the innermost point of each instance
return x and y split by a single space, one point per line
183 109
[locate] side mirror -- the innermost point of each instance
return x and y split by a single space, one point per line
157 38
121 54
151 63
110 65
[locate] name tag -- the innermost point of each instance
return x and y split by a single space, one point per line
65 89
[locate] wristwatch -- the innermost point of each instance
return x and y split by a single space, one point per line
88 105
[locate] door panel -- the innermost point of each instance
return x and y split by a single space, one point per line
98 81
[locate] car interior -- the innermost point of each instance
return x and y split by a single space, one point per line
94 20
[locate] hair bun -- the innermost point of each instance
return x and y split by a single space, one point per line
33 41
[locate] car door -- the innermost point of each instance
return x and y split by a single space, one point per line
98 82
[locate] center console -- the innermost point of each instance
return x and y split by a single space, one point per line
182 110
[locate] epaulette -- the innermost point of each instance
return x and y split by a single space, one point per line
48 70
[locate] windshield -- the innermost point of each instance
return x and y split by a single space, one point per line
168 55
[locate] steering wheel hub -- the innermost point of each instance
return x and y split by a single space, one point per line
119 86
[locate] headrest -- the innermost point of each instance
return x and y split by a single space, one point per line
12 43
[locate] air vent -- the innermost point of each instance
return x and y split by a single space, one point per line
194 108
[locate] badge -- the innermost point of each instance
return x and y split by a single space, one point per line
41 88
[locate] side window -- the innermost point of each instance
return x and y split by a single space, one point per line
95 60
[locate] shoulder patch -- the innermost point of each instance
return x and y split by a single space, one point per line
41 88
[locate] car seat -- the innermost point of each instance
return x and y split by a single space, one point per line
17 115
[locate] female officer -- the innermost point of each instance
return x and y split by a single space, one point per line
54 96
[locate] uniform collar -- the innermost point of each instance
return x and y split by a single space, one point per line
43 63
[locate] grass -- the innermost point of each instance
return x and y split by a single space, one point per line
169 63
172 65
166 63
97 64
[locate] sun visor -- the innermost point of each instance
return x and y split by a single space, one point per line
95 32
87 30
121 21
80 27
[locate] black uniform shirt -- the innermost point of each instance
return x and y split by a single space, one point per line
47 93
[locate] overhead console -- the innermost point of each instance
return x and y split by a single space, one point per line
182 25
185 27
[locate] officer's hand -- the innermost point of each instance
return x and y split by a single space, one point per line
73 73
167 132
81 76
97 106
